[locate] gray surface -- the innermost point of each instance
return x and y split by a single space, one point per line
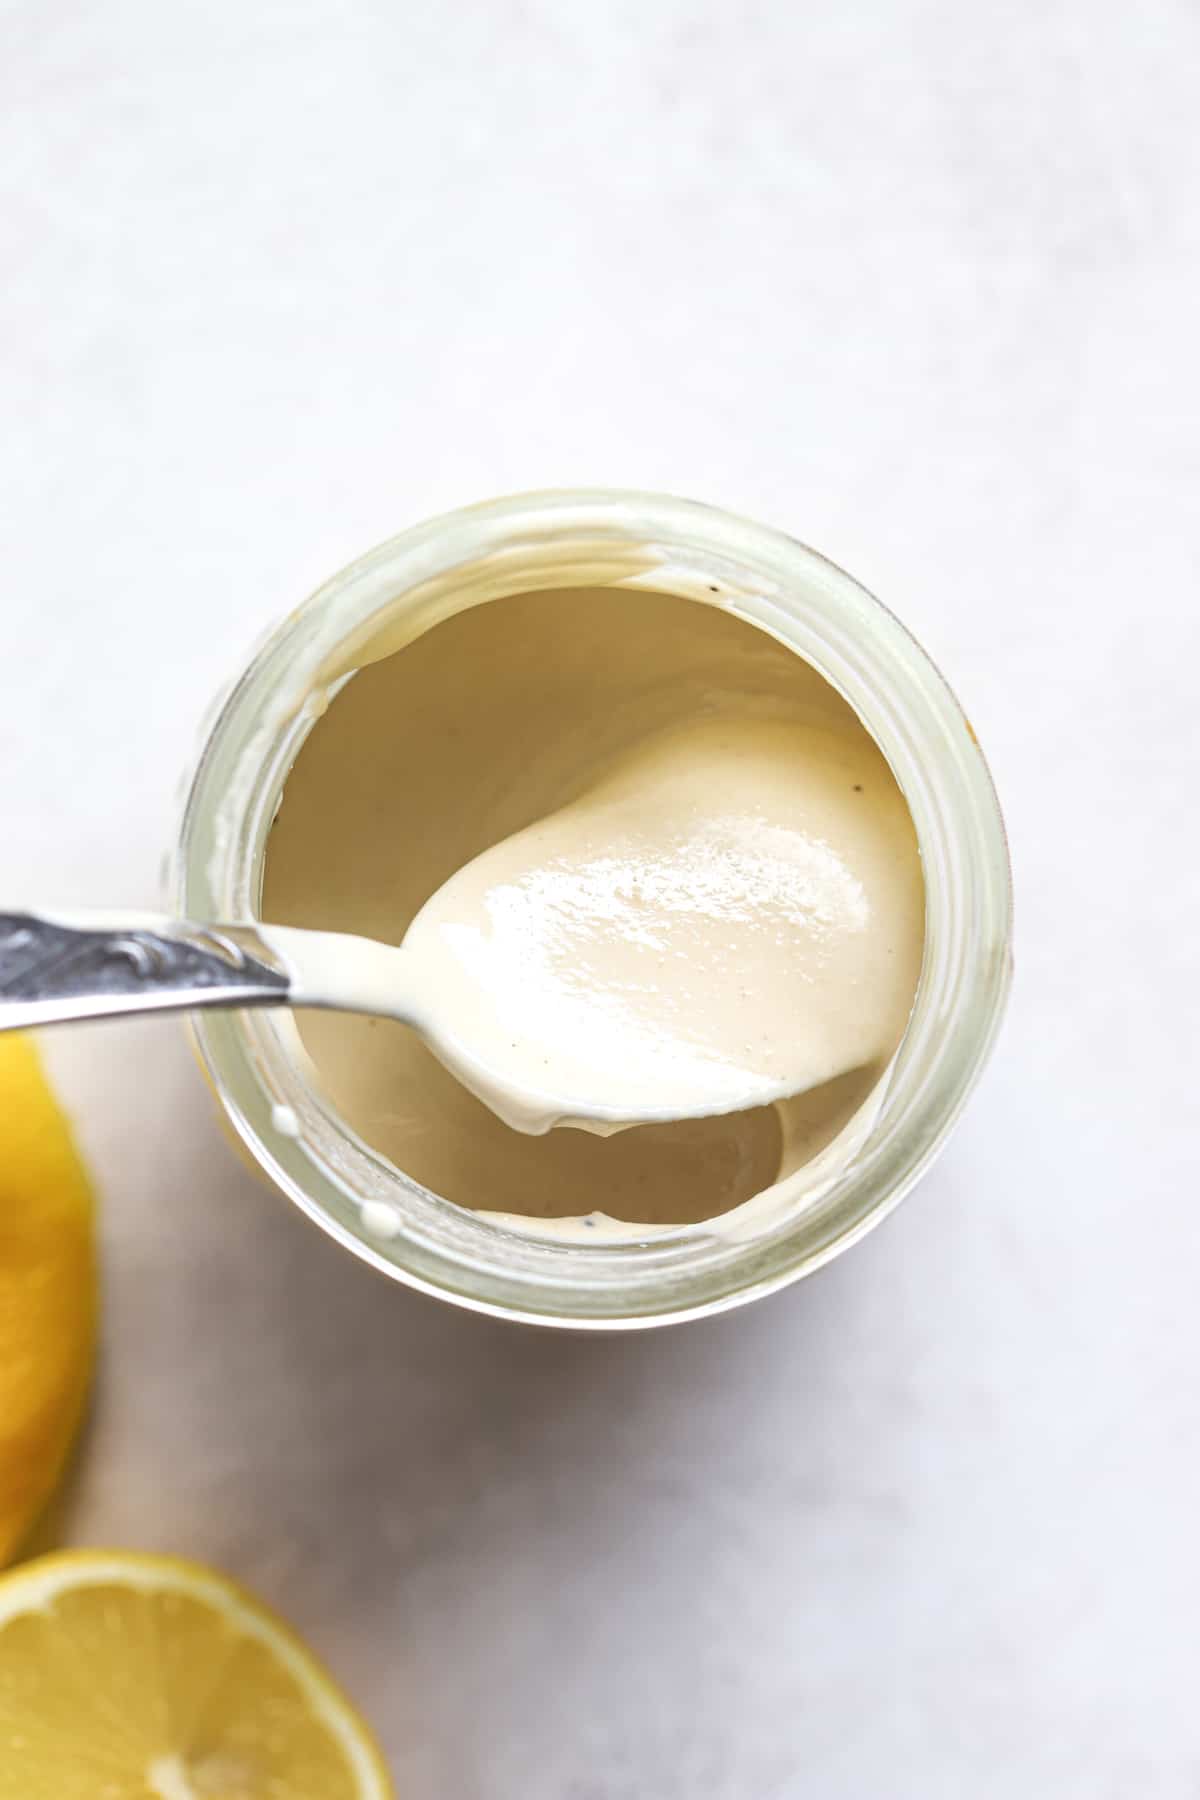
917 281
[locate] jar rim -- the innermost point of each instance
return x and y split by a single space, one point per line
628 538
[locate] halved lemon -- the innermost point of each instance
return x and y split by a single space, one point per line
131 1677
47 1289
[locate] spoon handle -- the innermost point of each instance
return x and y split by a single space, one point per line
53 970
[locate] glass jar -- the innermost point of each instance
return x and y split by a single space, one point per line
563 539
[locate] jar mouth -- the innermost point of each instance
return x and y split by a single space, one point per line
604 538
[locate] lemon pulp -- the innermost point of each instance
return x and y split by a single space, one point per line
131 1677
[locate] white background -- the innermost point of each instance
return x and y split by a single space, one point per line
917 282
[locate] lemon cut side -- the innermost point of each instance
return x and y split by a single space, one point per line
131 1677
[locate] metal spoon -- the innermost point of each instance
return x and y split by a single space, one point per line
58 968
54 969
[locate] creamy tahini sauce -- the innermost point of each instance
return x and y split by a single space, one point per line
643 833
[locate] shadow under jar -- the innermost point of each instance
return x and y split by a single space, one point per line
641 547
